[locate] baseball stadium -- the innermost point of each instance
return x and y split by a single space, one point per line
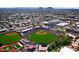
9 41
9 38
41 35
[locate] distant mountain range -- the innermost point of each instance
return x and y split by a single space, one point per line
32 9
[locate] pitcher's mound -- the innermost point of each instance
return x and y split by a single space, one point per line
41 33
8 34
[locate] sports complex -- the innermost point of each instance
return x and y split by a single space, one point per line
36 35
12 41
41 35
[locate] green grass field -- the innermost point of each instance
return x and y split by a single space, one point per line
9 38
42 37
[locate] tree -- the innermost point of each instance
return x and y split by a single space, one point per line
0 44
63 41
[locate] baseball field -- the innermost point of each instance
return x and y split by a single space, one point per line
42 36
9 38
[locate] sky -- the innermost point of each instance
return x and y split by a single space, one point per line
40 3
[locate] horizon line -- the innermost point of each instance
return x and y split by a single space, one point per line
45 7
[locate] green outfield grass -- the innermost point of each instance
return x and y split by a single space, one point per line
9 38
43 37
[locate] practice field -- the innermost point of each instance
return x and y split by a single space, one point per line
41 36
9 38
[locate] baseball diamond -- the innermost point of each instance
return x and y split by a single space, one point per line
41 36
9 38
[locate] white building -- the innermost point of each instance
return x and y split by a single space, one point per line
62 24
